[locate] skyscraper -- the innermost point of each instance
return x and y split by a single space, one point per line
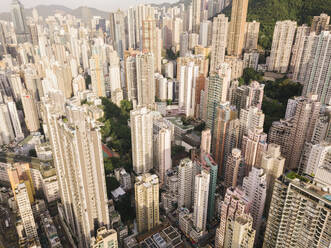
205 142
147 201
234 204
272 163
187 81
185 181
249 119
236 34
151 41
282 42
253 146
163 153
30 111
232 166
145 79
201 192
299 214
25 211
255 188
196 13
218 86
6 129
251 35
97 77
291 134
77 154
141 121
219 41
316 74
18 18
226 135
239 232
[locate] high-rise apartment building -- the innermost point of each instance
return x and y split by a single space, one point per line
218 42
205 142
316 74
151 41
218 86
281 47
239 232
25 211
205 35
253 146
236 34
245 96
255 188
187 81
196 14
147 201
226 135
208 164
250 119
291 134
163 153
320 23
6 129
251 35
201 193
234 204
19 135
97 77
297 49
18 18
299 214
77 154
183 44
233 163
141 122
145 79
272 163
19 173
185 183
30 111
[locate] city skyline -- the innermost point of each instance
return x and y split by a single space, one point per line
97 4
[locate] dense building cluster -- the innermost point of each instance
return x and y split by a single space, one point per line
198 169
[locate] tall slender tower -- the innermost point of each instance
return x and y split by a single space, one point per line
30 111
145 79
97 77
201 192
217 93
141 121
282 43
218 43
163 152
205 142
236 35
232 168
196 11
77 154
185 180
151 41
18 18
147 201
25 211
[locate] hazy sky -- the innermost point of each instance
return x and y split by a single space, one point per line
105 5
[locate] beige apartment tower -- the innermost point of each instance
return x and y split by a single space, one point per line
77 153
141 121
147 201
236 35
